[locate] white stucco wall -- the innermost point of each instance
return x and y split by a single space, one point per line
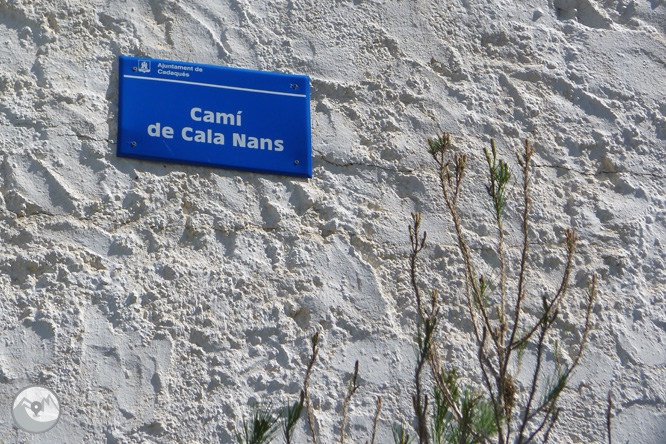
160 300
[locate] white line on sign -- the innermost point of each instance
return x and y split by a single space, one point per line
216 86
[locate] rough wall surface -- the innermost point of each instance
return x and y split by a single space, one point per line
159 301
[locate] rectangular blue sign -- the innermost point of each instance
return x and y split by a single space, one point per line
216 116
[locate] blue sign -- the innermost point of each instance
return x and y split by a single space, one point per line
210 115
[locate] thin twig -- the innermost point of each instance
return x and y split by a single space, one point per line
520 295
586 330
313 358
418 243
525 163
472 289
419 400
292 413
417 247
555 415
535 378
561 292
608 417
353 386
592 293
497 416
499 177
374 422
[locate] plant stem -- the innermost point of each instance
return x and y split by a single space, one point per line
353 386
308 372
608 418
374 422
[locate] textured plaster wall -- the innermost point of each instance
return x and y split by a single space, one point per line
159 301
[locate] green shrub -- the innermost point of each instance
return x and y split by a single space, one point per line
448 412
500 412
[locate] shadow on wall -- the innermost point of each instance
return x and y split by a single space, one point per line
582 10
